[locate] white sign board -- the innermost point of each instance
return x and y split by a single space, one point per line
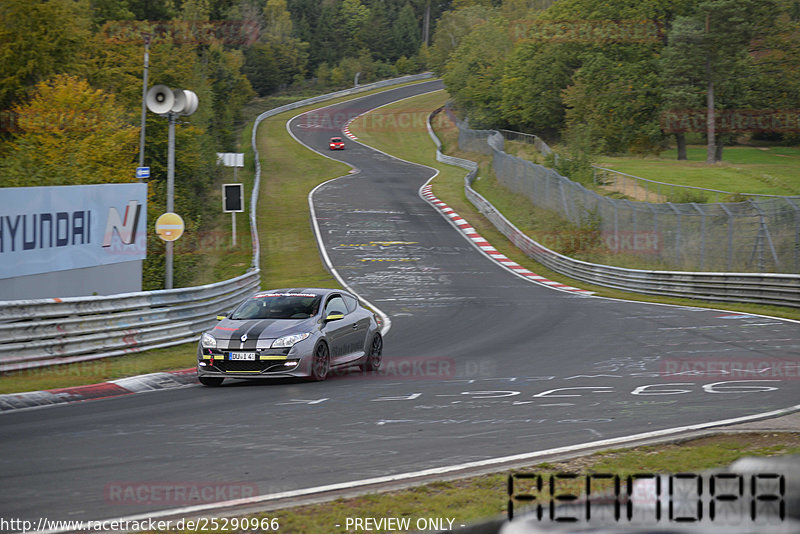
59 228
230 159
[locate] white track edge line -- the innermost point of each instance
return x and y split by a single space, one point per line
387 322
188 510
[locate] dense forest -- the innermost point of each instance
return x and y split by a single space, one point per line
626 76
71 82
612 76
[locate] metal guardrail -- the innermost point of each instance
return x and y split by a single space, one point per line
45 332
760 288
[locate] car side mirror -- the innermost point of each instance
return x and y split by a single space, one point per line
334 317
222 316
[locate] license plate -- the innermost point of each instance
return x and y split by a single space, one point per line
249 356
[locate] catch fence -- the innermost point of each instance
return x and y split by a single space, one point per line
760 234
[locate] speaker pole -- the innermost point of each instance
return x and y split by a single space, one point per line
163 101
170 193
144 97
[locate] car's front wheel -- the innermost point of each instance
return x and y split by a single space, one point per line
321 363
211 381
373 361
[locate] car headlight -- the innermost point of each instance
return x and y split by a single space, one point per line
288 341
207 341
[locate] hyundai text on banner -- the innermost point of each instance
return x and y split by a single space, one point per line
45 229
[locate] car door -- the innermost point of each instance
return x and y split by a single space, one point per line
337 331
360 321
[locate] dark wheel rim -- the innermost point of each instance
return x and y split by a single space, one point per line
321 362
375 352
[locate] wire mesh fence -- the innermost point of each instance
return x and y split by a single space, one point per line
637 187
761 234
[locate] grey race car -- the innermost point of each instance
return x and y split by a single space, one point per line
290 332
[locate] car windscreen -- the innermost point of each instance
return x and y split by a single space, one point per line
278 306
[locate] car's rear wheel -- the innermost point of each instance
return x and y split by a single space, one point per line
321 363
373 362
211 381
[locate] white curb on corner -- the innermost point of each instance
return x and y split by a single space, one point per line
484 246
12 402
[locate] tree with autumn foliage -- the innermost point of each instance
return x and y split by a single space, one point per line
69 133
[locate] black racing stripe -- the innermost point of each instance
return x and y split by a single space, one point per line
236 337
253 334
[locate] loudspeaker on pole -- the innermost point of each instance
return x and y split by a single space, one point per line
160 99
185 102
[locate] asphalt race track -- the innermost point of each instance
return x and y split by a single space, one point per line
478 364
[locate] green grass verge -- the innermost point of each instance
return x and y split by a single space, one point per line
289 254
95 371
415 145
478 498
744 169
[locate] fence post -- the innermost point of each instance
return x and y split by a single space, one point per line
702 236
677 235
796 247
763 233
730 236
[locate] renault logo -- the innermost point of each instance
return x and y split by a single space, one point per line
243 338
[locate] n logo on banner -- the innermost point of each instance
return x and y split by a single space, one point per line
125 227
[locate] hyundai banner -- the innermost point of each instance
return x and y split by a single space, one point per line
45 229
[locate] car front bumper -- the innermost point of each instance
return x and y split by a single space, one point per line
272 363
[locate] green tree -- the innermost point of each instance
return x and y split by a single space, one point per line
106 10
475 70
681 77
451 29
730 26
156 10
195 10
277 20
38 39
615 97
278 57
353 16
406 33
375 30
535 76
777 68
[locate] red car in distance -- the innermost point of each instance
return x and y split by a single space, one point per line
336 143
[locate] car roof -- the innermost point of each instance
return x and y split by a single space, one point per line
302 290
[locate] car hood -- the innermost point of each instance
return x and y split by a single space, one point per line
229 332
